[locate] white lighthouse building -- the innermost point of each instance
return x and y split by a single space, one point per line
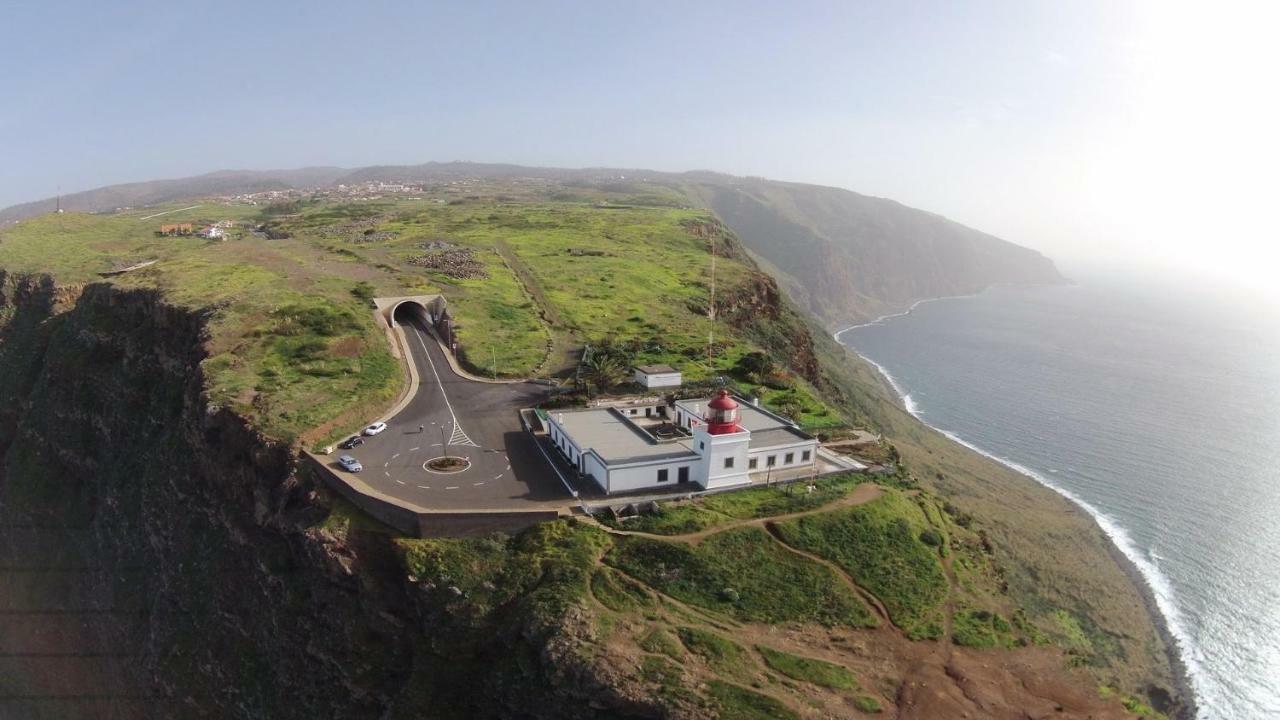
708 443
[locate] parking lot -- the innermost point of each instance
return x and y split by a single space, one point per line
456 416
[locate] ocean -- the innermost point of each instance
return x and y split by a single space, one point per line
1157 409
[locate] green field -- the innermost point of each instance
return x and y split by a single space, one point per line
293 342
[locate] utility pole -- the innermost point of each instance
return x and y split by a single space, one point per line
711 310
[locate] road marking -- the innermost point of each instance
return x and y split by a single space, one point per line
499 476
425 487
452 487
459 437
477 484
385 464
169 212
384 472
415 449
393 457
400 481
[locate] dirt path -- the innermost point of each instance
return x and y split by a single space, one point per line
861 495
866 595
559 344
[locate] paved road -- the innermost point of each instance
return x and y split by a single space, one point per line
478 421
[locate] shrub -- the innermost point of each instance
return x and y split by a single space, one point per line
364 291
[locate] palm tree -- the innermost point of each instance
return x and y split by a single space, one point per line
604 369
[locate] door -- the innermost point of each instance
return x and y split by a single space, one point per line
683 475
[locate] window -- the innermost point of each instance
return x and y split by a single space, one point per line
632 411
648 412
728 463
682 475
806 456
790 458
752 463
662 475
771 460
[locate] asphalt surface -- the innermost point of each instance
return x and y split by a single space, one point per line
463 418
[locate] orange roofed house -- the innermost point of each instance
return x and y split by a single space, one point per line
175 229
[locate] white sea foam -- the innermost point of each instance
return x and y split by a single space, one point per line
836 335
1161 589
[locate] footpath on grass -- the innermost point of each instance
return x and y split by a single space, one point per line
861 495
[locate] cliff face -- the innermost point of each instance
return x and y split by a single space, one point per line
162 559
171 529
844 256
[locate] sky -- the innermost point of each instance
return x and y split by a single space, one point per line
1100 132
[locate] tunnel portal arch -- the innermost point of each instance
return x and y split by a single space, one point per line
428 307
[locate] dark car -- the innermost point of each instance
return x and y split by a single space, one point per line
351 442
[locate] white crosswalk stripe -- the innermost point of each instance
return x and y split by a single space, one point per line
460 438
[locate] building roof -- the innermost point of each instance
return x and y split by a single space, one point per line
616 439
750 417
722 401
774 437
656 369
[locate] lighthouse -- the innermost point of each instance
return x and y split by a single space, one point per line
722 414
722 443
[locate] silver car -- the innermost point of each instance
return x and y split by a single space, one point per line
350 464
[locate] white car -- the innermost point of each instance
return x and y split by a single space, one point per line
375 428
350 464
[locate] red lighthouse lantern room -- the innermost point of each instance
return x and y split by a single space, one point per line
722 414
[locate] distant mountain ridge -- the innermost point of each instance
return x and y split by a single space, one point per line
847 257
842 256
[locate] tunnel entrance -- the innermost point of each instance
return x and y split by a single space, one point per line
426 308
410 311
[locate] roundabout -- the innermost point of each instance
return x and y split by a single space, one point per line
447 465
427 458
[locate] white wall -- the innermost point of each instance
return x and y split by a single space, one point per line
780 454
658 379
645 477
715 450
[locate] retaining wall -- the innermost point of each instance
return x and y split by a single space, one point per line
420 522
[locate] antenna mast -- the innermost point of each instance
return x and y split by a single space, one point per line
711 310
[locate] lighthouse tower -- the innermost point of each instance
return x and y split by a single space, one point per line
722 443
722 414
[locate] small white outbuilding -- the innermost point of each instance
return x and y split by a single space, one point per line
657 376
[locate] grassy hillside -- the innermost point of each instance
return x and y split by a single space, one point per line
842 256
954 553
532 275
736 622
845 257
